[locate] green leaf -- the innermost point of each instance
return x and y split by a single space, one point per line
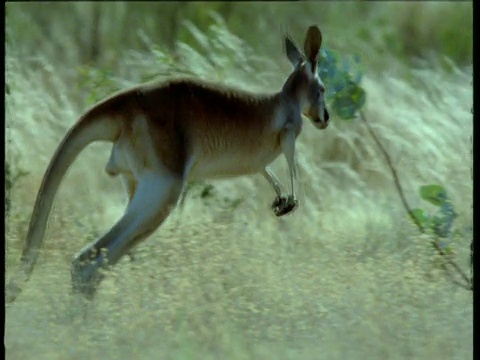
434 194
347 102
339 73
421 215
443 223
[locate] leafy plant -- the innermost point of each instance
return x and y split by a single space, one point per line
342 79
441 222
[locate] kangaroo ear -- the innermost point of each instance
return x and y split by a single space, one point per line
294 55
313 41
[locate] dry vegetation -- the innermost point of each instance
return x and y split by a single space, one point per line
347 276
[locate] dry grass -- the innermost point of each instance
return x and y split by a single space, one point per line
347 276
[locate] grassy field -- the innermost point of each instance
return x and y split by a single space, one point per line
347 276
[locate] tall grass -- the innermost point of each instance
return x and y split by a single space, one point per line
346 276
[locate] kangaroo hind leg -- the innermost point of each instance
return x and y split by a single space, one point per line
156 194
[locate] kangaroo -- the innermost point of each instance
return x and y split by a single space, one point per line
167 134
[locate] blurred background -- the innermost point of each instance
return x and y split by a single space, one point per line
348 275
103 34
98 33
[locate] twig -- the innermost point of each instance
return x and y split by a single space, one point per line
407 207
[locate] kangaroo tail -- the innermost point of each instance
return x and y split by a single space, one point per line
95 125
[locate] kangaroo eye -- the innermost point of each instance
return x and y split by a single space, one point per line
321 91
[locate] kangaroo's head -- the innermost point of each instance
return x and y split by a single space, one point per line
304 84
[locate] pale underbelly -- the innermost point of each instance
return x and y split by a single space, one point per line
230 165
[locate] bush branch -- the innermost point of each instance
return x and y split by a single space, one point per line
407 207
